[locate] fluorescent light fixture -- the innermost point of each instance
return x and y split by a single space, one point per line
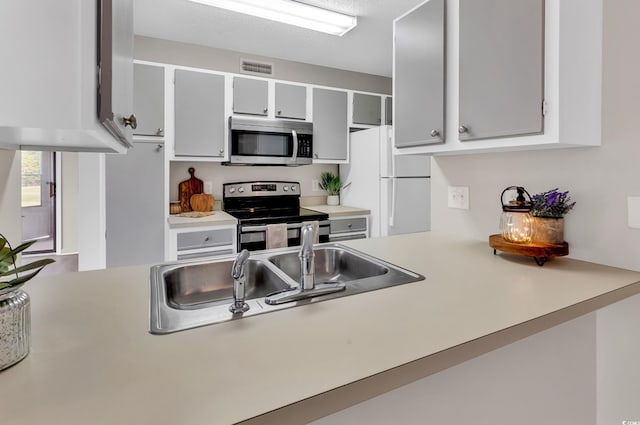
290 12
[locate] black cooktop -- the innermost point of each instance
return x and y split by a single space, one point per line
258 216
267 202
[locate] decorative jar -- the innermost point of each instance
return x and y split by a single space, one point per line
516 223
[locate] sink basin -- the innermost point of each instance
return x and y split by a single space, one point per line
190 294
205 284
332 264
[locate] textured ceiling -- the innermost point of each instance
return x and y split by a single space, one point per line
367 48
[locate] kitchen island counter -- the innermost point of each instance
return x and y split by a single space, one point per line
93 360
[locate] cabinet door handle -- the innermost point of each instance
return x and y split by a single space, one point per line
131 121
159 132
434 133
222 151
265 110
463 129
159 147
279 112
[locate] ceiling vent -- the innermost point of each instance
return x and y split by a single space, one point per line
255 67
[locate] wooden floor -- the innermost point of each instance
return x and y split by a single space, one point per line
63 264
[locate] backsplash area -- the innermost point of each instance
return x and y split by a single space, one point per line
218 174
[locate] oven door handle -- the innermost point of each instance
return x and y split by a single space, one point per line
294 157
289 227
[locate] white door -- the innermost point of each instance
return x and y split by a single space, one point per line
39 200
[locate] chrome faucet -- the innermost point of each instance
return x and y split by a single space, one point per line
308 288
307 264
238 273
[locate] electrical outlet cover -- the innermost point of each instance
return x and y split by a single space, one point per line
458 197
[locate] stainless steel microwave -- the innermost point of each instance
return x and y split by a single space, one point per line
270 142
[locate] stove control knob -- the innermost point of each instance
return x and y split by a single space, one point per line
294 188
241 189
232 190
285 188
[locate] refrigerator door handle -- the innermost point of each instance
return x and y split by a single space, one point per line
392 216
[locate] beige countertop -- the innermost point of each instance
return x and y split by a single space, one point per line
93 361
338 210
218 218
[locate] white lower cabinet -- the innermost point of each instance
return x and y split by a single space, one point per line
346 228
202 241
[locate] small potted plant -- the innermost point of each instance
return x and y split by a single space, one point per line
332 184
548 210
15 313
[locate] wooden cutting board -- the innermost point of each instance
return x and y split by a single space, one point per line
188 188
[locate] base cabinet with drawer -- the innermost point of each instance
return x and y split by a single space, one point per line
346 228
202 241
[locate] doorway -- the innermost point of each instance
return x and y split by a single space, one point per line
39 200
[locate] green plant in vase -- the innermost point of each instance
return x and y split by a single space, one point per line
332 184
13 277
15 306
548 209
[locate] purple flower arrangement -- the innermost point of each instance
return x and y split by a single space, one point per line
551 203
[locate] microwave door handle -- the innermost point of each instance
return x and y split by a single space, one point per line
294 157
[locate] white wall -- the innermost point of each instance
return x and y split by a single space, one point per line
548 378
10 196
618 370
219 174
91 225
164 51
599 179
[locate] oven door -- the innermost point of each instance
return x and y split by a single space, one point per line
254 238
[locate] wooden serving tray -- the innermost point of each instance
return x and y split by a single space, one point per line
540 252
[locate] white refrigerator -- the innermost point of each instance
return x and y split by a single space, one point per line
396 188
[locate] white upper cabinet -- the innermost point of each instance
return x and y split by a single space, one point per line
520 74
367 109
48 76
330 127
148 99
250 96
199 103
290 101
501 76
200 120
418 79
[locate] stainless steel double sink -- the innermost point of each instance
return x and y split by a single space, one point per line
187 295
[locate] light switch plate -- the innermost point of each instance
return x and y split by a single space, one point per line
458 197
633 211
315 186
208 187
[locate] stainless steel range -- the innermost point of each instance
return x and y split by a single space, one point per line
258 204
